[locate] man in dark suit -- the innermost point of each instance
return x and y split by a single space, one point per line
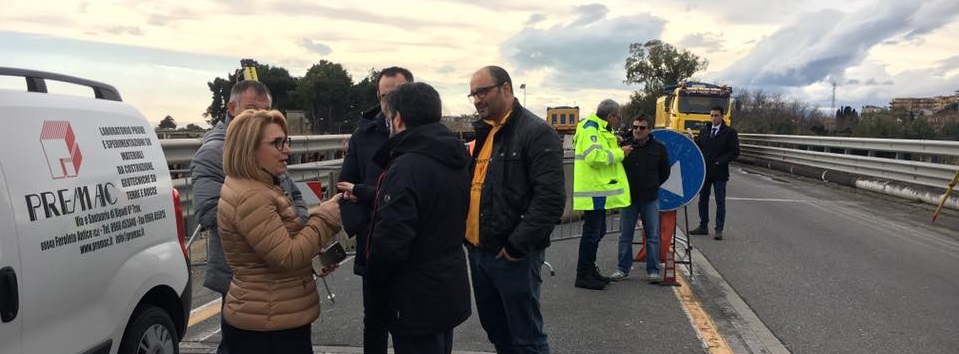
720 146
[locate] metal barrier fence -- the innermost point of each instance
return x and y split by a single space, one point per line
929 163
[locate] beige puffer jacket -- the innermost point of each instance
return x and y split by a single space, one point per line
270 252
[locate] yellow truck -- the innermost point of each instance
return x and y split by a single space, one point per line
685 106
563 118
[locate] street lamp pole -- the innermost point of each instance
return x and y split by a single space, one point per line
523 87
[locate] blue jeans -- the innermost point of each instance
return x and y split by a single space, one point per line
594 228
649 211
507 300
720 188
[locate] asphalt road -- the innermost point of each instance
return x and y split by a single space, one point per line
805 267
835 270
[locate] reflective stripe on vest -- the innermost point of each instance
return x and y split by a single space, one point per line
610 159
609 193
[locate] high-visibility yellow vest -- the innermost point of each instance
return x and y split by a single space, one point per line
599 180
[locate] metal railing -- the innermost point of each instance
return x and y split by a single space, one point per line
929 163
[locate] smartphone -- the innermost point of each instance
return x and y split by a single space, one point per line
334 254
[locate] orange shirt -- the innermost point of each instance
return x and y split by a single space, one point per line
479 177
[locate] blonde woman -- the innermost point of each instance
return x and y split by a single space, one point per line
272 299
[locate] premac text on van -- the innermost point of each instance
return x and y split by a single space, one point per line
67 201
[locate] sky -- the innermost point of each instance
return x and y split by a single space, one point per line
161 53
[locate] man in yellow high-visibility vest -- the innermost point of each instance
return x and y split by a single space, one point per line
599 183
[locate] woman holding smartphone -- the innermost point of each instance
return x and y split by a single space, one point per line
272 300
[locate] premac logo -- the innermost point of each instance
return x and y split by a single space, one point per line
61 149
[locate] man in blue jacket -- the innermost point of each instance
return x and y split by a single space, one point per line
416 268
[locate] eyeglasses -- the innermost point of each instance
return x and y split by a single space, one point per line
481 92
279 143
640 127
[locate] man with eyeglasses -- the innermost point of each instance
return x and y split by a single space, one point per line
720 146
516 197
206 171
647 167
599 184
358 177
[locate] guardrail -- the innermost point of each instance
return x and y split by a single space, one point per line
179 152
930 163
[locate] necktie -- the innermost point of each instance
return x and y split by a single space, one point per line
715 131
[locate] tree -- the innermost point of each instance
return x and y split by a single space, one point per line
325 92
167 123
654 65
277 79
220 88
192 126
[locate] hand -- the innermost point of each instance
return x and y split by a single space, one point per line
347 189
503 254
331 206
345 186
627 149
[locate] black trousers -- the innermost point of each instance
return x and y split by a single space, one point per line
285 341
375 333
437 343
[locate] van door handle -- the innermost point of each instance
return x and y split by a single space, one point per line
9 295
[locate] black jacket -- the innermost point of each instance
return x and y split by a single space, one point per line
718 151
359 169
417 270
647 167
524 192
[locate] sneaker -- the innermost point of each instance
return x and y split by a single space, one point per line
719 235
600 277
587 281
699 231
654 278
618 276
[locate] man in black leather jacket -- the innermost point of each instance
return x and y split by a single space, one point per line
516 197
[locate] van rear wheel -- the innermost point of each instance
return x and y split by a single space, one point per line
150 331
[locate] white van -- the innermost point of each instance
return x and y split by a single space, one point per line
92 251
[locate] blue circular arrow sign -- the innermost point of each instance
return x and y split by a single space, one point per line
687 170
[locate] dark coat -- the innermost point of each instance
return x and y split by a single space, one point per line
718 151
417 267
647 167
359 169
524 192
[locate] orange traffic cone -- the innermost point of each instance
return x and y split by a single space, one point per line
669 271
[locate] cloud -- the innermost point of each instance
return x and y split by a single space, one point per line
120 30
589 52
708 41
315 9
589 14
165 17
825 43
82 7
535 18
315 47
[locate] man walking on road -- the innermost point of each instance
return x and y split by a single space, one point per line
647 167
516 197
358 179
599 183
207 175
720 146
